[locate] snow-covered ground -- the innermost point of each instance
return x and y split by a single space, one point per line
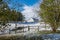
33 27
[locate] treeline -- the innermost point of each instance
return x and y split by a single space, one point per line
6 14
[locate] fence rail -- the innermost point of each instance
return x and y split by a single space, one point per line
28 28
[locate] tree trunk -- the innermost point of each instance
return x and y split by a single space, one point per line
54 29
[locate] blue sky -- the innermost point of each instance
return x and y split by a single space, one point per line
25 6
16 3
27 2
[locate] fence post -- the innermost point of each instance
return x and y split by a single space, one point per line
23 29
9 31
28 28
38 28
45 26
15 27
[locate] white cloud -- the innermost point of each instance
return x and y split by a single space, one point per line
31 11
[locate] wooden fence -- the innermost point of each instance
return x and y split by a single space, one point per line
27 28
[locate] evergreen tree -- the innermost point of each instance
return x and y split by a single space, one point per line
8 15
